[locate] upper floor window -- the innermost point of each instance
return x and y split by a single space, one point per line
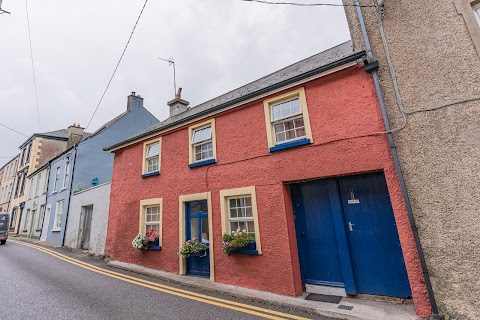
57 177
24 179
151 157
17 187
27 155
202 143
66 176
23 156
287 120
476 11
39 177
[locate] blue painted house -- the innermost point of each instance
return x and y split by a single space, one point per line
79 207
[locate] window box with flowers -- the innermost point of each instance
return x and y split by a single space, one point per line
239 242
194 248
148 241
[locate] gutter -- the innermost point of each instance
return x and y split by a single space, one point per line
337 63
398 168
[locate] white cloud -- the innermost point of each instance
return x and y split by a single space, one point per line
218 45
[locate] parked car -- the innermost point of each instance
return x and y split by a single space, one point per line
3 227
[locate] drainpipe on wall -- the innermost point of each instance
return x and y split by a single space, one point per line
398 168
70 193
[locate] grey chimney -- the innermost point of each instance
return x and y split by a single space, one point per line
178 105
75 134
134 101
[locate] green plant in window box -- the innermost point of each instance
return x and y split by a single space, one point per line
236 240
193 247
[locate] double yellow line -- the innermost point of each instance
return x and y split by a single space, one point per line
223 303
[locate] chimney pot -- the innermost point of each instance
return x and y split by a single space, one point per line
178 105
134 101
75 134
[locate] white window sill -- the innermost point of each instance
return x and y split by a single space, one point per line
56 230
63 189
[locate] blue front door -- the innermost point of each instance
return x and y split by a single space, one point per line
375 249
197 228
317 243
347 236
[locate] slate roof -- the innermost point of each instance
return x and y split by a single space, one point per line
315 64
61 134
109 123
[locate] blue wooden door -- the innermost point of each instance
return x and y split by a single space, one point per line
375 250
316 238
347 236
197 227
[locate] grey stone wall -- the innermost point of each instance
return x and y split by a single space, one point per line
436 62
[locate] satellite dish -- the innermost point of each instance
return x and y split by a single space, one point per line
1 10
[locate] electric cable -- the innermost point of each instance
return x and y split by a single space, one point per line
33 66
116 67
308 4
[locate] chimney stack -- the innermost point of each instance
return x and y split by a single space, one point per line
75 134
178 105
134 101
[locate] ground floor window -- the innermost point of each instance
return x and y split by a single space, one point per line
239 211
41 217
240 214
14 217
27 218
57 223
151 216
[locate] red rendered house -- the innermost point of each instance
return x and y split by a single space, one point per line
297 159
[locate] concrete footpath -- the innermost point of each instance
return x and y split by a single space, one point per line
360 309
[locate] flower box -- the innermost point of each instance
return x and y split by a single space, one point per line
201 254
154 245
250 248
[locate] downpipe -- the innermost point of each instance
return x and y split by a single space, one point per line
393 149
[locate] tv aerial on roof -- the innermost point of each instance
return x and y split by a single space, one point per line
1 10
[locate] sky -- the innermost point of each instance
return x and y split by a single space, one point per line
217 45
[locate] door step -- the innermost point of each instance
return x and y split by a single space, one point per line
326 290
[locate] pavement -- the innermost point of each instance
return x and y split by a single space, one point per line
358 309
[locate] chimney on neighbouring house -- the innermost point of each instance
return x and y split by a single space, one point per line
178 105
75 134
134 101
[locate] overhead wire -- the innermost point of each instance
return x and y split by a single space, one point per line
118 63
11 129
307 4
33 65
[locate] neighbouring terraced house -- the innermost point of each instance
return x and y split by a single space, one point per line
429 57
34 152
79 184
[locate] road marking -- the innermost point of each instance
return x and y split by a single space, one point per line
241 307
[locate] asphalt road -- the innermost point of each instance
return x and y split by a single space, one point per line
36 285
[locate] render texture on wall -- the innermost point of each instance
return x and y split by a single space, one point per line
99 198
436 63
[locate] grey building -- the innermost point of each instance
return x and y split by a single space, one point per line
88 211
431 92
35 205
